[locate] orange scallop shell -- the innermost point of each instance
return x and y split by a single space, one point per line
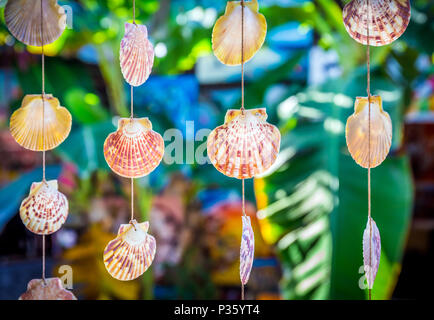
245 145
45 210
26 123
52 289
357 130
136 54
131 253
134 150
226 35
388 20
23 19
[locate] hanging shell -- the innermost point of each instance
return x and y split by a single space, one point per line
136 54
23 19
134 150
388 20
371 252
45 210
245 145
26 122
226 35
131 253
247 250
357 130
52 289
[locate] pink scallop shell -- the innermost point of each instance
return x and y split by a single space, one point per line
52 289
136 54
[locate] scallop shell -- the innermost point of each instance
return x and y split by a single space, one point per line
388 20
136 54
134 150
357 132
226 35
23 19
45 209
247 250
26 123
371 252
52 289
131 253
245 145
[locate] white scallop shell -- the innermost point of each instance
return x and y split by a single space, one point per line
371 252
131 253
45 210
245 145
357 130
136 54
23 19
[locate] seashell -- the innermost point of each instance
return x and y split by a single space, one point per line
247 250
131 253
357 130
136 54
52 289
23 19
245 145
388 20
371 252
45 210
226 35
26 123
134 150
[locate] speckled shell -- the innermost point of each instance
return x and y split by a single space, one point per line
131 253
45 210
26 123
247 250
52 289
134 150
388 20
245 145
226 35
371 252
23 19
136 54
357 132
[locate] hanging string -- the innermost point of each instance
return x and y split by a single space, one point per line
134 11
369 140
131 117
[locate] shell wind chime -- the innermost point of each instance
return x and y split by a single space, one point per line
245 145
40 124
369 130
134 150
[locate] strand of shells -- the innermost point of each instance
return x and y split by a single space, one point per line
45 210
247 250
136 54
388 20
226 35
23 19
52 289
131 253
245 145
357 130
371 252
134 150
27 127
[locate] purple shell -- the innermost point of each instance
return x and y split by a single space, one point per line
371 252
136 54
247 250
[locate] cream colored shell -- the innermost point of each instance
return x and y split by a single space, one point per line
27 126
226 35
131 253
45 210
388 20
134 150
357 130
23 19
245 145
